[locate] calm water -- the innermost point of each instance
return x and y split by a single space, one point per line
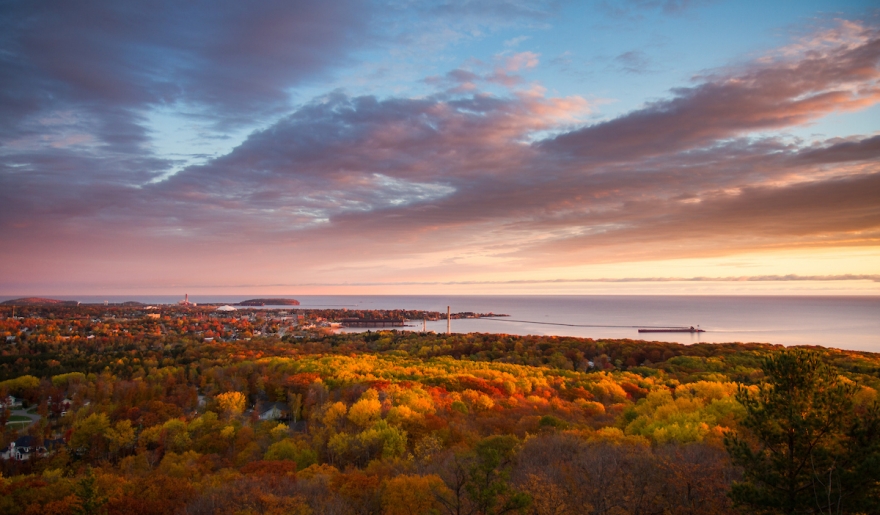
842 322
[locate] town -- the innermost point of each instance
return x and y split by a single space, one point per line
173 408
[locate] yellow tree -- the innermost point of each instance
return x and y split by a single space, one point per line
366 410
232 403
90 434
121 436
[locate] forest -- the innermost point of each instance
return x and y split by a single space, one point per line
189 411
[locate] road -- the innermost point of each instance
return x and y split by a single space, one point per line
23 413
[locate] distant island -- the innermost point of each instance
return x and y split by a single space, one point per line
269 302
38 301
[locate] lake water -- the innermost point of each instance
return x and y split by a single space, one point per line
841 322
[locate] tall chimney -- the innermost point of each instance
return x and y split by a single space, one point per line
448 321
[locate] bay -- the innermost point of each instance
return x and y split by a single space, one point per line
831 321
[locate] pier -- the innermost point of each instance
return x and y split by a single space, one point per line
690 329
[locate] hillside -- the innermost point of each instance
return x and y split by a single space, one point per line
171 419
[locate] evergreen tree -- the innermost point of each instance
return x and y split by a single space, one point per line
90 501
489 485
805 446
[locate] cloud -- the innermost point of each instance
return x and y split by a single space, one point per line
832 212
503 73
520 61
634 61
424 27
692 180
456 81
111 61
490 11
514 42
756 278
481 181
340 156
764 96
638 8
839 150
669 6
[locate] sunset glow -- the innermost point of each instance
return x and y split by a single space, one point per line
656 147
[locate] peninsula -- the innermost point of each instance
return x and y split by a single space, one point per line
38 301
269 302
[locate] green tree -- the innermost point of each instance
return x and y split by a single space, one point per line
478 482
490 477
804 445
90 502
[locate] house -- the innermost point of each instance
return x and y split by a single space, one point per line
22 449
23 453
60 407
274 411
25 447
10 402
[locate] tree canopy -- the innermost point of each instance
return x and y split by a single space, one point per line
805 444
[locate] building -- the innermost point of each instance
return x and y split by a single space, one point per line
26 447
21 449
274 411
185 301
10 402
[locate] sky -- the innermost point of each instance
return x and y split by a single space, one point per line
458 146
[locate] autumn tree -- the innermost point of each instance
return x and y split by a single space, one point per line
478 482
805 446
232 403
90 435
295 401
90 501
366 410
411 494
121 436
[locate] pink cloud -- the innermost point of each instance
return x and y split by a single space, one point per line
783 92
520 61
465 172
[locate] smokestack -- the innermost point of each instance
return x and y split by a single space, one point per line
448 321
